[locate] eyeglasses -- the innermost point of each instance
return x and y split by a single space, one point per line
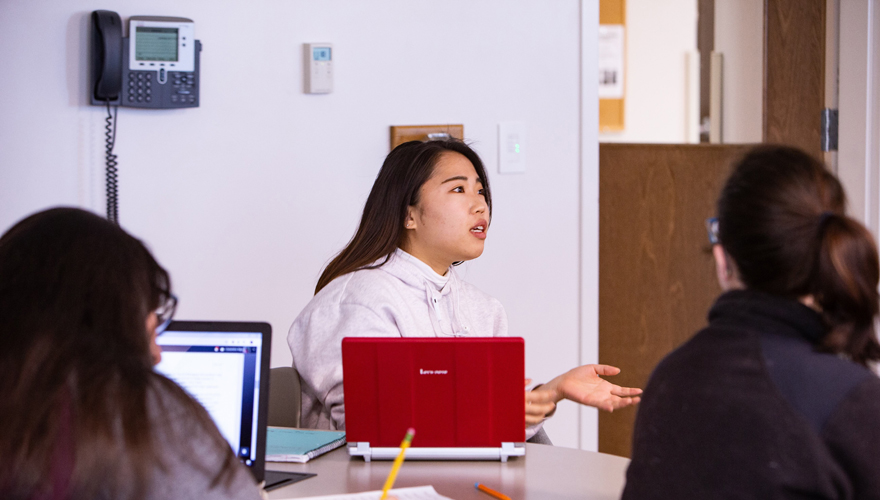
712 229
165 313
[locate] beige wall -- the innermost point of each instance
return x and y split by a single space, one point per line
739 37
659 35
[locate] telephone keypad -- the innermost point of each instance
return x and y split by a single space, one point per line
180 89
160 87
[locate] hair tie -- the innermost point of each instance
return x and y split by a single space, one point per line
823 218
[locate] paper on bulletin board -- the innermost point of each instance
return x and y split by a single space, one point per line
611 60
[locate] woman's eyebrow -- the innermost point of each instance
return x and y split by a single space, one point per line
456 178
459 178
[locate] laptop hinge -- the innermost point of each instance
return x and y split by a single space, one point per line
362 450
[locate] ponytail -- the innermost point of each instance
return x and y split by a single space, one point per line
781 219
846 278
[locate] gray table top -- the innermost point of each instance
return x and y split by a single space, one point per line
544 473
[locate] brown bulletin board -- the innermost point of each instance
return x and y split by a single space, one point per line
611 118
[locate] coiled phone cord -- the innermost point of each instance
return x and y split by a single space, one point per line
110 161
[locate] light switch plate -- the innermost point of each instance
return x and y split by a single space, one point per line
511 147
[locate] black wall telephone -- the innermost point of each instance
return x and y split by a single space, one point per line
156 66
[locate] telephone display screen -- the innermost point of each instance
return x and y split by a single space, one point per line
155 44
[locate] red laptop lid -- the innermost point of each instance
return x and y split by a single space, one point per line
455 392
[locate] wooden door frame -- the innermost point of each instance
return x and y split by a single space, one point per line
588 418
794 73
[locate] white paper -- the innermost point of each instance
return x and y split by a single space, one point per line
611 57
417 493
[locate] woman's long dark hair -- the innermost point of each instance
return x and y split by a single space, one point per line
75 363
396 188
782 220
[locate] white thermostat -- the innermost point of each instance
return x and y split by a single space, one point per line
318 71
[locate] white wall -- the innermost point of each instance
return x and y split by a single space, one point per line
739 37
246 198
859 133
658 37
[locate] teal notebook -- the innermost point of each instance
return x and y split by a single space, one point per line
284 444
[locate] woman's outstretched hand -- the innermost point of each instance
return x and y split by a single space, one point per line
586 386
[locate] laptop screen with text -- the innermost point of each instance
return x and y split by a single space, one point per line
222 365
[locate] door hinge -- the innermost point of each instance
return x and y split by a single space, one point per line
829 129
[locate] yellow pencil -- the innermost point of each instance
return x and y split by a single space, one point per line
397 462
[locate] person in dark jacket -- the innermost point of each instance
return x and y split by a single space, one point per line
775 397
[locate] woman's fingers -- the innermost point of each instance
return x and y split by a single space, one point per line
585 385
606 370
530 420
614 403
539 404
625 391
539 410
540 396
536 413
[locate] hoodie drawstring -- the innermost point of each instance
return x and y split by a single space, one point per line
457 327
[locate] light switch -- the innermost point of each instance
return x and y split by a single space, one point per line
511 147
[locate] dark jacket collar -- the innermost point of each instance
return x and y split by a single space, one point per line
767 313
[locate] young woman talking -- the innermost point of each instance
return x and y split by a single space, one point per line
429 208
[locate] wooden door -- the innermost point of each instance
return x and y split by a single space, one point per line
656 274
656 278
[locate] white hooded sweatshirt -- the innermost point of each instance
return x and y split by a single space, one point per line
402 298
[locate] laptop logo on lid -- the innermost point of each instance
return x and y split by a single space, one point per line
432 372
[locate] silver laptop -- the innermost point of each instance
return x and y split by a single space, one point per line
225 367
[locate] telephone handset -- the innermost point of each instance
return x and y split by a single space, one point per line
156 66
106 57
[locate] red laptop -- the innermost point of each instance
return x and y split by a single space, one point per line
464 397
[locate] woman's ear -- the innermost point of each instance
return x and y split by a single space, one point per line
155 350
410 221
725 270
